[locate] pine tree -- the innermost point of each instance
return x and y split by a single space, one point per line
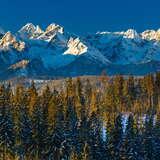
79 88
110 102
97 147
128 148
104 79
150 89
80 102
69 87
46 97
129 92
118 90
32 97
25 133
156 137
9 95
20 98
157 88
71 121
109 125
40 132
82 126
147 138
57 138
7 137
115 138
52 109
108 141
88 95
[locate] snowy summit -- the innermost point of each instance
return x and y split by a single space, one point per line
54 52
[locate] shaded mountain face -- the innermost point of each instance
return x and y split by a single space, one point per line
53 52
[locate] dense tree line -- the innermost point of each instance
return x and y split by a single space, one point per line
116 119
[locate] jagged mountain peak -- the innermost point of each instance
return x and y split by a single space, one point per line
55 28
76 47
151 35
131 34
50 33
38 29
8 36
53 52
29 27
30 31
9 41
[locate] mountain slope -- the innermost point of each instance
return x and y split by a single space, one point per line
53 52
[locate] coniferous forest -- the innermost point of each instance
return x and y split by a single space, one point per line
118 118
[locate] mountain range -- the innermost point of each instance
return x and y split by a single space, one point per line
36 53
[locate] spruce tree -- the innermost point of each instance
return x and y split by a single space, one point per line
71 122
157 89
129 92
109 101
156 136
80 102
148 144
7 136
115 138
40 132
32 96
95 139
25 135
88 95
149 80
118 90
69 87
128 148
57 141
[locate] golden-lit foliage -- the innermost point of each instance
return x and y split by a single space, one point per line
71 118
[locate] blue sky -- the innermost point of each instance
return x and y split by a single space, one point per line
82 16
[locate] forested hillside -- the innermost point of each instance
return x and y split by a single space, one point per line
114 118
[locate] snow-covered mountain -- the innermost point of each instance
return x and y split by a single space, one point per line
34 52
